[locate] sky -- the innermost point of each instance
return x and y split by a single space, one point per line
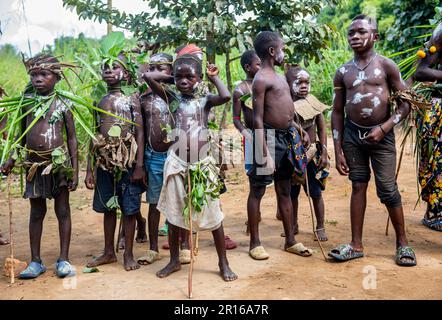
47 20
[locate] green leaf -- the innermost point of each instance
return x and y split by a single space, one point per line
114 131
112 203
90 270
112 41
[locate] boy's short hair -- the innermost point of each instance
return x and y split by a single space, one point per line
247 58
189 59
367 18
263 41
161 58
293 70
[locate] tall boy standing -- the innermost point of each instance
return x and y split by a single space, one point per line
362 88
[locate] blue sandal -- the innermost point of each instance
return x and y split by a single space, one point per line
345 252
64 269
435 224
405 252
33 270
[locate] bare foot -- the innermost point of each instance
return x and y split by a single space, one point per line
103 259
121 243
141 232
130 264
172 266
322 236
226 273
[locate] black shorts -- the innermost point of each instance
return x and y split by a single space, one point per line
382 155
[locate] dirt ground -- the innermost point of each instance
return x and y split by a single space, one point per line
283 276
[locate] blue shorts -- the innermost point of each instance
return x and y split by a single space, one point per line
315 186
129 193
154 164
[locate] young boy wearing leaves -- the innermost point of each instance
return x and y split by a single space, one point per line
119 161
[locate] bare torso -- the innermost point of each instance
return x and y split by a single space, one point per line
278 103
157 117
367 92
47 133
191 120
119 105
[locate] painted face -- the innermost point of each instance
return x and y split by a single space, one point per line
163 68
361 35
300 84
113 75
43 80
186 78
254 66
279 53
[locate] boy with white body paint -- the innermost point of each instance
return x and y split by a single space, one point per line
362 91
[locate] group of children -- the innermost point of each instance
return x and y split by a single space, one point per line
285 142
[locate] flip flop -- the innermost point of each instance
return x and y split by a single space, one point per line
435 225
345 252
34 270
405 252
229 243
185 256
300 250
163 231
64 269
149 258
259 253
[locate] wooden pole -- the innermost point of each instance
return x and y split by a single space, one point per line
11 241
189 282
109 23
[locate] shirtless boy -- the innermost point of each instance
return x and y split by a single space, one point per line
190 148
45 136
362 127
273 117
115 176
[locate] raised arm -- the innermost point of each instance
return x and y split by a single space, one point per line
223 95
337 123
72 147
153 79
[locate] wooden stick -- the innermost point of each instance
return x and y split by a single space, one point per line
313 219
120 226
11 241
189 282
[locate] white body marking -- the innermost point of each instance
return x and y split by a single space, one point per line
361 77
342 70
376 101
357 98
366 112
335 134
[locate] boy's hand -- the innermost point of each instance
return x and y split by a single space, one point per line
323 160
376 134
212 70
305 139
139 175
89 181
7 167
246 134
341 164
73 183
270 164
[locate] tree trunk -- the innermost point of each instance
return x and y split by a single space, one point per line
230 88
109 23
